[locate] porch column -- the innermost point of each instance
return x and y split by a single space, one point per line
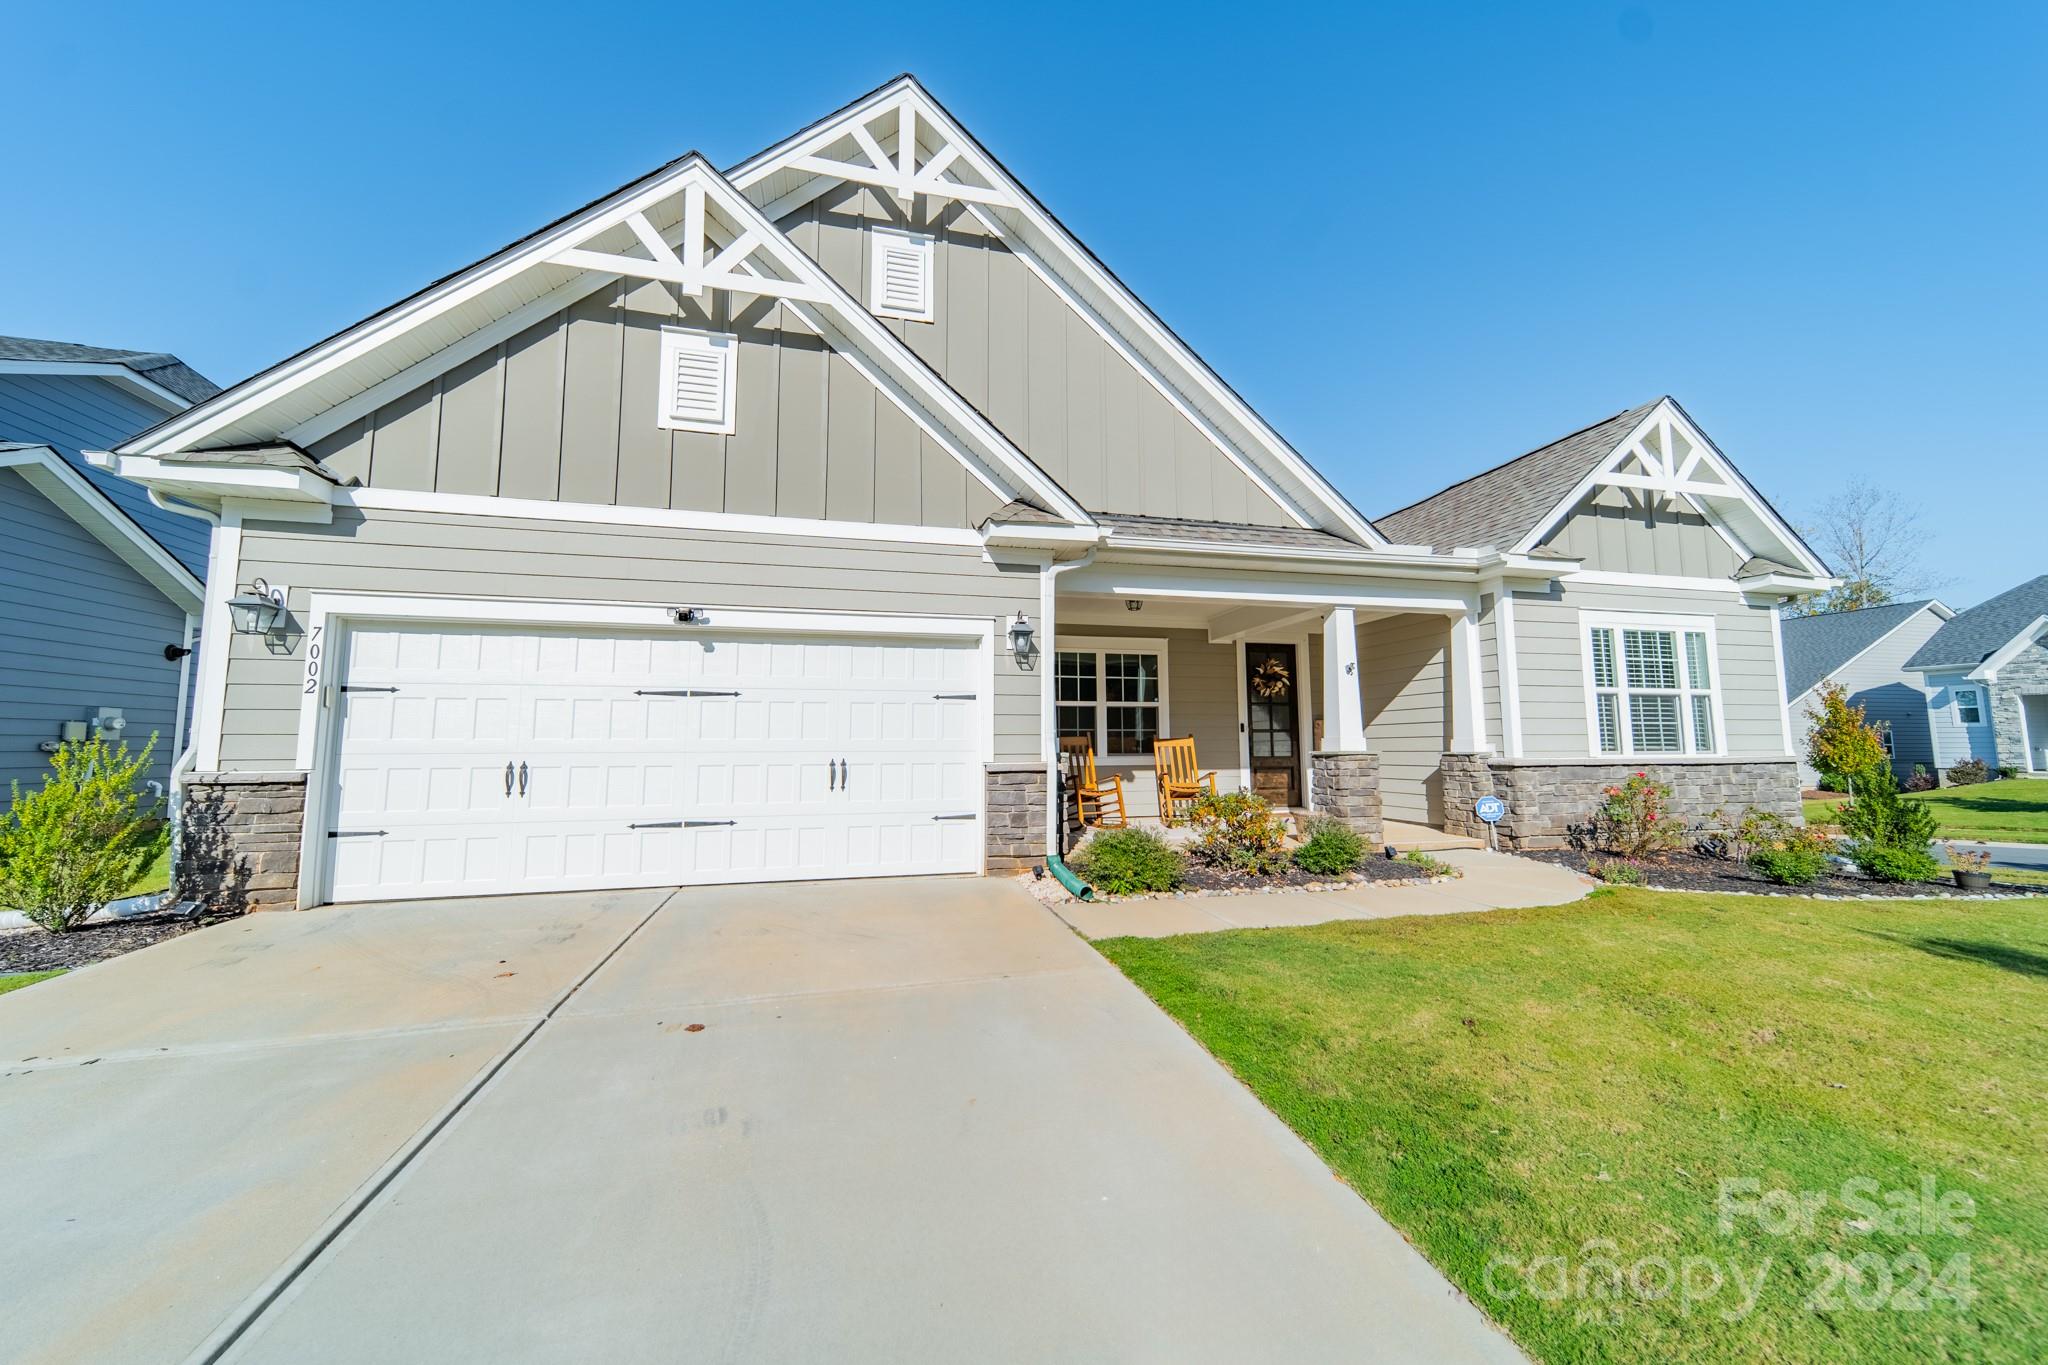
1343 698
1467 687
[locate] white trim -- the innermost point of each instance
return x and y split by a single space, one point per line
184 688
2010 650
924 247
1467 680
329 615
1981 704
216 642
224 479
1680 625
1039 536
1725 587
1098 645
722 347
1244 719
111 370
1778 665
1112 578
604 514
1505 655
51 476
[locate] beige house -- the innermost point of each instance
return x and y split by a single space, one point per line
776 522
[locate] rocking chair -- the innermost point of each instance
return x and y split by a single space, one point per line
1098 801
1179 784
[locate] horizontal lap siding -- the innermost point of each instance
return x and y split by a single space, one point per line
1551 664
567 561
82 630
1877 680
1407 718
1201 701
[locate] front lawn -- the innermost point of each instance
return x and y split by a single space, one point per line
1576 1082
156 877
16 980
2012 811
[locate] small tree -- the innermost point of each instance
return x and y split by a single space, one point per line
1840 744
82 838
1888 835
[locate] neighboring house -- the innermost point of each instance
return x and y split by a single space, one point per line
1986 677
1865 651
777 523
102 589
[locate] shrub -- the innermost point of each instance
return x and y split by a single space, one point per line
1236 831
1797 863
1617 871
1921 780
2006 770
1888 834
1435 867
1329 849
1969 773
1968 859
1635 820
1840 744
82 838
1123 861
1897 864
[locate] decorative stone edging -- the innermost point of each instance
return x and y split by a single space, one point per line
1057 892
1790 894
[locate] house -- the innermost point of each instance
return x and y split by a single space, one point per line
1865 651
103 587
777 522
1986 677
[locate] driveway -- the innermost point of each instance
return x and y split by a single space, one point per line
862 1121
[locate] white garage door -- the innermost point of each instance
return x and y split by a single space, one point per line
476 759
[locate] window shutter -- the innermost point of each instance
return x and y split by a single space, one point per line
697 381
902 283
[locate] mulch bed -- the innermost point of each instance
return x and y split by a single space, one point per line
38 950
1292 878
1687 871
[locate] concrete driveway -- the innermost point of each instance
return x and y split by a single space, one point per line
863 1121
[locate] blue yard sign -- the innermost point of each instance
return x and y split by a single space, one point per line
1490 809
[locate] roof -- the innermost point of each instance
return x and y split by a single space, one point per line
1817 645
164 370
1975 635
1496 509
1223 532
1020 513
283 455
49 473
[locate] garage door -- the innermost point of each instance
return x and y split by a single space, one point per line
481 760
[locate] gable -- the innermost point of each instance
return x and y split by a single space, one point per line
1614 532
1018 351
567 410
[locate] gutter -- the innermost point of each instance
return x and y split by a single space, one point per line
1048 726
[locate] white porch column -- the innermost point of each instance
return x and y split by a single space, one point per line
1343 701
1468 695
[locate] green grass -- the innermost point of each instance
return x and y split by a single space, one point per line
1520 1083
17 980
155 877
2012 811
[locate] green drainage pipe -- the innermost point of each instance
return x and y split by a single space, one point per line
1064 875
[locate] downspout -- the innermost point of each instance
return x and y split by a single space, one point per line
1048 726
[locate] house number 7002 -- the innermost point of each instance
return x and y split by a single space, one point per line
313 660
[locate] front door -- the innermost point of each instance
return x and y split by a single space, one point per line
1272 684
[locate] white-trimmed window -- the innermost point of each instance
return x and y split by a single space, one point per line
699 376
1969 706
1652 685
1113 691
900 274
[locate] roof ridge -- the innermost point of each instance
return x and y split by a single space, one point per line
1537 450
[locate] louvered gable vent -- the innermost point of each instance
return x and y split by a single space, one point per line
697 378
902 275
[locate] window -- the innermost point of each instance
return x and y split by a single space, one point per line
1113 692
900 275
1969 711
698 371
1884 733
1651 688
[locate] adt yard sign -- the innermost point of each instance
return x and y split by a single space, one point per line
1490 809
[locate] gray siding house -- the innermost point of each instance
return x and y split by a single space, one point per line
1985 674
779 522
100 582
1865 652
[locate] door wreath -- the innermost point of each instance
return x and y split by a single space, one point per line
1271 679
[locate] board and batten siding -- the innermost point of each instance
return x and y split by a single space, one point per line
1877 680
484 556
567 411
1404 662
1201 701
80 630
1034 366
1551 668
1613 536
71 413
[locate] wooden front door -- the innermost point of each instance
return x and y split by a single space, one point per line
1272 685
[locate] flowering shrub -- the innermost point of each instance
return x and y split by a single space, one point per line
1236 831
1635 820
1617 871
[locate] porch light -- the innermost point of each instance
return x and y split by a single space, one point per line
258 611
1020 640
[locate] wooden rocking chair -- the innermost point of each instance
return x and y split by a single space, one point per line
1179 784
1098 801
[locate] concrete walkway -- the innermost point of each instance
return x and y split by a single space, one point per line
880 1121
1492 881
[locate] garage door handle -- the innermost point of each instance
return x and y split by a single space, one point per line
508 777
522 779
967 816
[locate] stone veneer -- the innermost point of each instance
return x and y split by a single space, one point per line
2027 673
1545 799
240 836
1346 787
1016 816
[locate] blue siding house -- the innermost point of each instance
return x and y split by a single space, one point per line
102 589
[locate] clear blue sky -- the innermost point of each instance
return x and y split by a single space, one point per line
1420 238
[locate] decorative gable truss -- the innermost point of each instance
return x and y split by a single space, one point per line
1667 461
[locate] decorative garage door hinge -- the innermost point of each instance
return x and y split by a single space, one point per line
357 833
954 696
679 692
346 688
679 824
969 815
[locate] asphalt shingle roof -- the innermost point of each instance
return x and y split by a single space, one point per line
1974 635
1223 532
1816 646
164 370
1497 508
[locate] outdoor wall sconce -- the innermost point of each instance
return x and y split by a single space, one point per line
687 616
258 611
1020 640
